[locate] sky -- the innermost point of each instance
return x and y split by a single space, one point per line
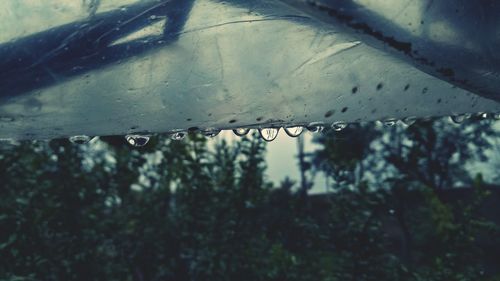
281 158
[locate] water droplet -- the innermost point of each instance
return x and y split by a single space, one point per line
137 140
339 126
482 115
210 133
315 127
8 143
178 136
294 131
459 118
390 122
81 139
496 116
408 121
240 132
269 134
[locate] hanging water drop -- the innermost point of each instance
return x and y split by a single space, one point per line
178 136
315 127
137 140
240 132
269 134
294 131
482 115
339 126
210 133
408 121
459 118
7 142
80 139
390 122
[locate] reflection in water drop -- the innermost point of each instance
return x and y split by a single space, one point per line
210 133
137 140
294 131
339 126
390 122
240 132
81 139
409 120
178 136
269 134
315 127
8 141
482 115
459 118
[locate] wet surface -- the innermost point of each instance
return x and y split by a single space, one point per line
94 68
455 40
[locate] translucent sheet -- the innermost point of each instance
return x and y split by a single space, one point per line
121 67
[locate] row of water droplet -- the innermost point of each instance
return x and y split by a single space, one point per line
270 134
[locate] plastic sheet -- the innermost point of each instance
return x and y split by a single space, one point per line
120 67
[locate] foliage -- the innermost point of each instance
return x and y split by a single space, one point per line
189 210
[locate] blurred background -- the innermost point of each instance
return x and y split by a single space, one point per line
371 202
